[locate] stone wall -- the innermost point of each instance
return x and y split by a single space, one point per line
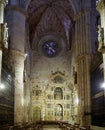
43 70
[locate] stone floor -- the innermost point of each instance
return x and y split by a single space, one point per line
51 127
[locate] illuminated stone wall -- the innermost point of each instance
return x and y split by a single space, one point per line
47 74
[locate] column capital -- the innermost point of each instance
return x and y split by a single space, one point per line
4 2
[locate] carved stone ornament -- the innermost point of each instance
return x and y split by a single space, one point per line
4 35
100 37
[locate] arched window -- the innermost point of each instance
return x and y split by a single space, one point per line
58 94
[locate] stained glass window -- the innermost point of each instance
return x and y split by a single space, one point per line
50 48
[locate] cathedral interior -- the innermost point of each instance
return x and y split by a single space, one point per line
52 62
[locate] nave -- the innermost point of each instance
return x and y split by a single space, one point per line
52 64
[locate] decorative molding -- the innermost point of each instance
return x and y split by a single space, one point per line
58 73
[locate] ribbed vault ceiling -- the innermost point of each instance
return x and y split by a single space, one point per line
47 16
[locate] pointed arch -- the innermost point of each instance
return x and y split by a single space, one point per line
72 2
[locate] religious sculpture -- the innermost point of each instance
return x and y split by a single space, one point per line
100 37
5 35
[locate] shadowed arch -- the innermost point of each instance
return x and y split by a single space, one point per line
72 2
50 16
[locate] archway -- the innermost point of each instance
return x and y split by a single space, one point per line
36 114
58 112
58 94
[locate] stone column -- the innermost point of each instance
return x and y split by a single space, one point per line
101 9
18 63
16 18
0 63
2 5
83 54
83 74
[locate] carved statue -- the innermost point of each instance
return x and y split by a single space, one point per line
5 35
100 37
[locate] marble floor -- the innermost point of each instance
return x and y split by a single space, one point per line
51 127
